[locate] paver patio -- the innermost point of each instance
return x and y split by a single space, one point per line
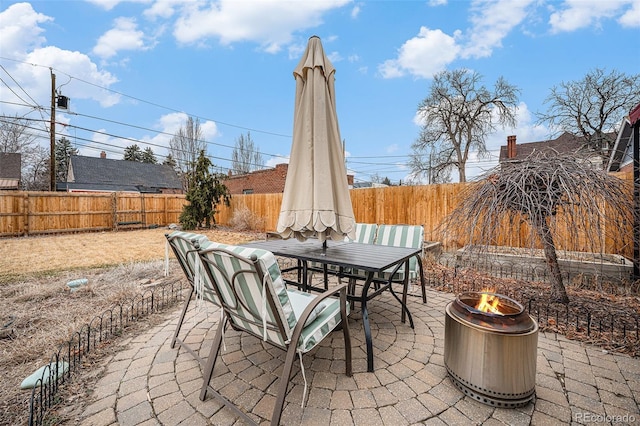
148 383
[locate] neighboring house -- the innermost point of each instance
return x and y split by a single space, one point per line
268 181
92 174
566 143
621 159
10 174
360 185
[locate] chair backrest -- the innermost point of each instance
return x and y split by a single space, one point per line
410 236
366 233
182 245
252 291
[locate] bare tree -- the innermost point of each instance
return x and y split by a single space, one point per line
430 164
246 157
592 107
553 194
185 146
457 116
15 137
36 176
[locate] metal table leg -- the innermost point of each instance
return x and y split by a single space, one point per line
365 322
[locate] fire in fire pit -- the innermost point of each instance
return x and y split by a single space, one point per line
490 348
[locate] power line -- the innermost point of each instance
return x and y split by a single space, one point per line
149 102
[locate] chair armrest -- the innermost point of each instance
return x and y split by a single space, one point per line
342 289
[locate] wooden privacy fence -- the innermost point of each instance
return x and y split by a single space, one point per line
31 213
28 213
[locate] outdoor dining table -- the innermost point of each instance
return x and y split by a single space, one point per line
370 259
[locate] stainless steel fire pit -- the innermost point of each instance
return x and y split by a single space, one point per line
491 356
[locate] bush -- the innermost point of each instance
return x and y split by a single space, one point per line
244 220
188 218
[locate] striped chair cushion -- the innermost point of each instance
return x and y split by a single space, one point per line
292 303
366 233
182 243
410 236
323 319
251 288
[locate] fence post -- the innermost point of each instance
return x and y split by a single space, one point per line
114 210
25 213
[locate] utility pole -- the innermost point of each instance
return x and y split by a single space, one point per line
52 133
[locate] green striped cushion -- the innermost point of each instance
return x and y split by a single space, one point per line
182 242
251 285
327 320
366 233
410 236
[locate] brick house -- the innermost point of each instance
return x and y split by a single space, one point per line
268 181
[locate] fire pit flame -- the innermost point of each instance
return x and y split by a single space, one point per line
489 303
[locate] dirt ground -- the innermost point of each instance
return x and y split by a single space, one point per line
40 311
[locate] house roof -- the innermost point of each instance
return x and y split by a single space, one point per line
623 142
566 143
102 174
10 165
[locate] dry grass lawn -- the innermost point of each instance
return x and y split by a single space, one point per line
41 311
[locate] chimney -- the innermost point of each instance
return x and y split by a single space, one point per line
511 146
103 154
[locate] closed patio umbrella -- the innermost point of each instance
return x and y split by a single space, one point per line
316 199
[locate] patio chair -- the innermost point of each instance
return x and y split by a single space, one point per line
181 244
255 300
410 236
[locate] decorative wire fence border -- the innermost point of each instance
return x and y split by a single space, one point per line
99 330
613 330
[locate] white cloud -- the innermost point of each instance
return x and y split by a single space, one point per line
163 9
123 36
20 30
269 23
22 38
355 11
434 3
279 159
492 21
422 56
67 63
392 148
110 4
578 14
432 50
631 18
334 57
97 144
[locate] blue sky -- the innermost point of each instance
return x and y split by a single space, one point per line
135 69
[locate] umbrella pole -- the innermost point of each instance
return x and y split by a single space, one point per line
324 248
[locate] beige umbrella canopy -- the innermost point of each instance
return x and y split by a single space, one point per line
316 199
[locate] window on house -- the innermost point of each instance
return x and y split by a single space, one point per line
247 191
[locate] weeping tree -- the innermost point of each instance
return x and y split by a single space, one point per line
555 195
206 192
